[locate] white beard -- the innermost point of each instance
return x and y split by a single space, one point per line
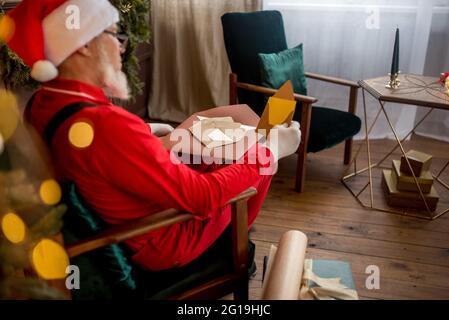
115 83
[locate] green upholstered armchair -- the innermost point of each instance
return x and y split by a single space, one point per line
247 35
107 273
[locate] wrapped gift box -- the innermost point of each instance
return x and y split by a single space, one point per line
405 182
419 162
407 199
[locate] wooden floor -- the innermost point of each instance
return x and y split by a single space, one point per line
412 254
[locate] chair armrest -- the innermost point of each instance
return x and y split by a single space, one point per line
131 229
138 227
335 80
270 91
245 195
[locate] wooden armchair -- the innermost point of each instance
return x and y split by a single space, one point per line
234 278
306 114
248 34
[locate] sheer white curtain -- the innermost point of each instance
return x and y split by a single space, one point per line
354 39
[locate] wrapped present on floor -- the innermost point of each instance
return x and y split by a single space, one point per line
419 162
289 276
407 199
405 182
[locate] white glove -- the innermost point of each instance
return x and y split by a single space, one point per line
160 129
284 141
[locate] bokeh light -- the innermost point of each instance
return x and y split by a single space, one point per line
13 227
7 27
9 114
2 145
81 134
50 192
49 259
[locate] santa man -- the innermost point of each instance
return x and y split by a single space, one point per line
117 162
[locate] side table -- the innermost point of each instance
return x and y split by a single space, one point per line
415 90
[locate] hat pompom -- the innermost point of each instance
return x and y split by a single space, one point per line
43 71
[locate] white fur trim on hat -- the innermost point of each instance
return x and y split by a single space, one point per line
62 39
43 71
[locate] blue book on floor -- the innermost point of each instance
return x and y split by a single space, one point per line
329 279
333 269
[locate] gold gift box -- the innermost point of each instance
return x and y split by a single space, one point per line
407 199
419 162
405 182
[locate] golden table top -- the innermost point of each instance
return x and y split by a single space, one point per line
414 89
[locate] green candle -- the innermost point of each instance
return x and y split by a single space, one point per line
395 61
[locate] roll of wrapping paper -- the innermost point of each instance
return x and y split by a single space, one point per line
288 275
284 273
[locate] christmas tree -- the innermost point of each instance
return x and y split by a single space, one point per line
30 212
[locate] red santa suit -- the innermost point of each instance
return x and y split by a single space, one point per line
126 173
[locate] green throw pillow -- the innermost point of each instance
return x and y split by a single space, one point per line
277 68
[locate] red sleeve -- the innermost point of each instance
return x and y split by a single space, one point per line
130 157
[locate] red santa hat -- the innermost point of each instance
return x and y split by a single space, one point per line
48 31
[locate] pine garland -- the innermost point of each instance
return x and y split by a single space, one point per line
13 72
134 22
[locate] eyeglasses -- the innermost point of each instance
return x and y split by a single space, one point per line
121 37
